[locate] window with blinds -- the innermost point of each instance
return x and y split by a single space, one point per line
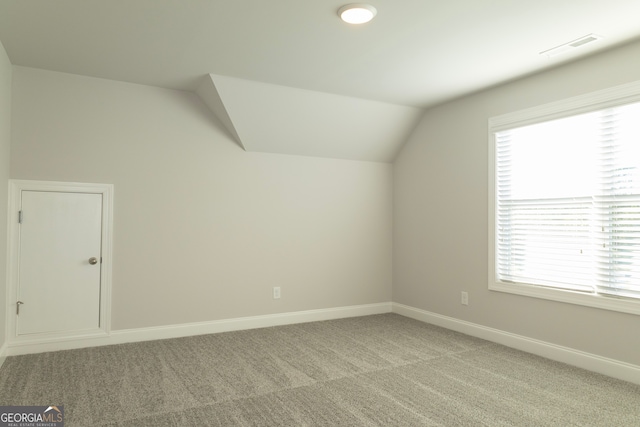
566 203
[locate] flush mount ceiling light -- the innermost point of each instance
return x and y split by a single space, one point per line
567 47
357 13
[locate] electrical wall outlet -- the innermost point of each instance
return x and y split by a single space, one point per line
276 292
464 298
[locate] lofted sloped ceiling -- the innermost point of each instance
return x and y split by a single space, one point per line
300 80
278 119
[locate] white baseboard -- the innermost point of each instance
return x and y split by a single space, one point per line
592 362
3 354
200 328
610 367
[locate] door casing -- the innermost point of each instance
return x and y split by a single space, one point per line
15 190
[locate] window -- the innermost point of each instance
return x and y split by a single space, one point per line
565 200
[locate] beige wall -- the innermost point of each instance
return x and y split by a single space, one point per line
440 215
204 230
5 142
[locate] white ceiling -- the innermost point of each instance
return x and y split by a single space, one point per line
415 53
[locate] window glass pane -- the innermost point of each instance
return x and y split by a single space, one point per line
618 203
626 140
554 159
568 203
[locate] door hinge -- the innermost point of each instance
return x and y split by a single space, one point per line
19 217
18 304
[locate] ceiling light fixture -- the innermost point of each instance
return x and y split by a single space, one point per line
589 38
357 13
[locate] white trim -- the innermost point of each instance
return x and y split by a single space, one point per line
200 328
568 296
592 362
614 96
3 354
15 189
618 95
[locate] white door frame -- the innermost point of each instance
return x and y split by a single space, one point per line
15 189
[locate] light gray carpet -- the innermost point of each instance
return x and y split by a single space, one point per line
384 370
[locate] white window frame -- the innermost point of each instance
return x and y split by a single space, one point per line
618 95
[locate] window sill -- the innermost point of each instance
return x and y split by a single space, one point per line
571 297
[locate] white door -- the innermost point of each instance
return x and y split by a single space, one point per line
59 262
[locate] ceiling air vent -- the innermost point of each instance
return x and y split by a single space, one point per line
567 47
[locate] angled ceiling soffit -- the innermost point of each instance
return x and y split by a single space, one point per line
209 94
269 118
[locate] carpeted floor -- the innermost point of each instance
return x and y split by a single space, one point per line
383 370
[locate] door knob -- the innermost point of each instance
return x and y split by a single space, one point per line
93 260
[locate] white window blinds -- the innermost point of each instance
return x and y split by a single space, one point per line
568 203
